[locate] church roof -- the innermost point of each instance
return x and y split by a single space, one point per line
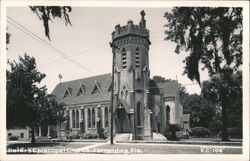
169 89
96 90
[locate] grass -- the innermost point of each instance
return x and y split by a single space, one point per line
211 139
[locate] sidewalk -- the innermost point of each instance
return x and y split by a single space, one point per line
194 142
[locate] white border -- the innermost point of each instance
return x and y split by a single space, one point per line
147 4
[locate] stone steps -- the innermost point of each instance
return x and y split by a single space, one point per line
123 136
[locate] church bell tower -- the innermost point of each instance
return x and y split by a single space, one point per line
131 79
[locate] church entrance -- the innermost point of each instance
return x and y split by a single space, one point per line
122 121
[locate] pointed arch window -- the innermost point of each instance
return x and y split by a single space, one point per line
126 95
167 113
93 118
138 110
77 119
137 57
89 118
106 116
73 119
124 58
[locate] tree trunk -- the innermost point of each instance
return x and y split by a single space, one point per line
33 140
224 104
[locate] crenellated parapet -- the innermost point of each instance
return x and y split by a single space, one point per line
131 33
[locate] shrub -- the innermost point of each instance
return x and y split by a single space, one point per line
72 134
233 132
171 130
13 137
91 134
215 126
200 132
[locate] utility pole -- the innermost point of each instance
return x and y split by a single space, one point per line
112 92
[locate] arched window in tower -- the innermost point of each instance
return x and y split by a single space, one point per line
106 112
138 110
77 119
73 119
137 57
124 58
89 118
126 95
93 118
122 94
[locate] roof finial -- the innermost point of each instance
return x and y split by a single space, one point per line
143 21
142 14
60 77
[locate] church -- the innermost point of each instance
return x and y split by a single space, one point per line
141 106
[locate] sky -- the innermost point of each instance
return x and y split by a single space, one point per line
85 44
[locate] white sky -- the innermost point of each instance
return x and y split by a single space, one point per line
88 39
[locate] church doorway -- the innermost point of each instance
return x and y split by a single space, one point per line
122 121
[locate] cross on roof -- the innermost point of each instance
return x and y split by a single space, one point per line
143 13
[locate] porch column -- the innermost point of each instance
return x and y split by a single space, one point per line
80 117
70 118
86 119
132 114
91 117
132 119
103 117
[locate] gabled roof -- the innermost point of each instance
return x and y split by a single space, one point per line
97 88
102 80
82 90
68 92
168 89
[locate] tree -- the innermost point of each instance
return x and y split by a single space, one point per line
7 39
231 86
27 103
47 13
201 110
23 93
160 79
213 37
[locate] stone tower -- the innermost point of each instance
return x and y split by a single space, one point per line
131 79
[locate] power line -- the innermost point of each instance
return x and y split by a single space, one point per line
88 50
34 36
74 55
83 52
57 51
